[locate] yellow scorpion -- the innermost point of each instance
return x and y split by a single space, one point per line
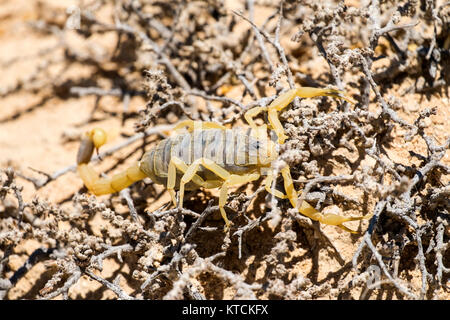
209 155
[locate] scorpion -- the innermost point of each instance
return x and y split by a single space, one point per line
209 155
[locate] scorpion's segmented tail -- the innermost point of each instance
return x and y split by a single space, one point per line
98 186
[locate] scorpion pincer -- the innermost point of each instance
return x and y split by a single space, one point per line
209 155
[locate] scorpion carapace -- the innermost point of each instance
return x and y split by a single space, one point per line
209 155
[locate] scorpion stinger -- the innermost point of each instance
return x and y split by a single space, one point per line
94 139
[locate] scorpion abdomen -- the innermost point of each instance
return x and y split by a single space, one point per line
228 148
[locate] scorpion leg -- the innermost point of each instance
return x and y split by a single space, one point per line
233 179
276 193
190 173
257 131
171 178
177 163
230 179
250 114
193 125
309 211
284 99
268 187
